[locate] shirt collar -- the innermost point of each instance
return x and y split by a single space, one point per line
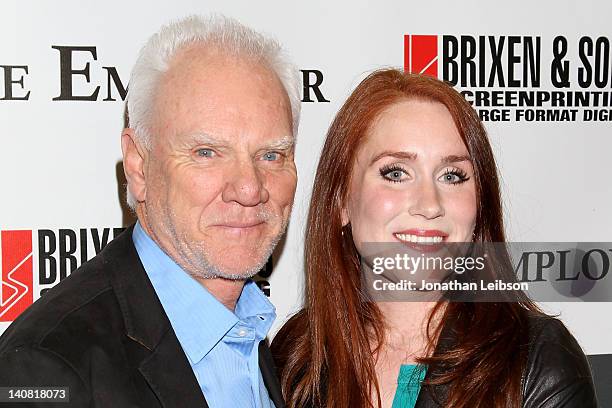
199 320
254 308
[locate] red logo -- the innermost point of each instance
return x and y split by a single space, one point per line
421 54
16 288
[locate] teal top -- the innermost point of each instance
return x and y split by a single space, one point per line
408 385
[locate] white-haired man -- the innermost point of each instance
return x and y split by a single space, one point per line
166 315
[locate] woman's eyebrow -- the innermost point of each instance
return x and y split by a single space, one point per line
454 158
397 155
451 158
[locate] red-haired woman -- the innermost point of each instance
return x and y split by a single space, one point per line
407 160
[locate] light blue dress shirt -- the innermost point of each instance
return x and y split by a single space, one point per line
221 345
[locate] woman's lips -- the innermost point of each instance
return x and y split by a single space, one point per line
421 236
424 240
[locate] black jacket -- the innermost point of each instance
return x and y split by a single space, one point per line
103 333
557 374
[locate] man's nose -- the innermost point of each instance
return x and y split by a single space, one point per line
426 201
245 186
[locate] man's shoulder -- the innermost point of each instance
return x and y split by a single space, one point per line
69 313
557 369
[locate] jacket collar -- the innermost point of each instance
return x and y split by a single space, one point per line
165 367
143 315
434 396
268 372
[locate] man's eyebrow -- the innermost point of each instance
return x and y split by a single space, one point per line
284 143
451 158
204 138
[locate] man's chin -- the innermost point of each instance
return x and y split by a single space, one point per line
234 263
235 274
229 272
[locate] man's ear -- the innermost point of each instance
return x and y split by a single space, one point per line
133 164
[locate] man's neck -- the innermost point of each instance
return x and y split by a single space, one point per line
224 290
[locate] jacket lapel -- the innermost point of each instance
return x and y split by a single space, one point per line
161 359
268 372
170 376
435 396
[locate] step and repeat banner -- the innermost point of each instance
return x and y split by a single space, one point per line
538 73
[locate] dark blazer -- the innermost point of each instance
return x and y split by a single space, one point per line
557 373
103 333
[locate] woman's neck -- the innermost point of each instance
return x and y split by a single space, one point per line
406 327
404 341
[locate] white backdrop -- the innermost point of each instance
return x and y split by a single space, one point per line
58 159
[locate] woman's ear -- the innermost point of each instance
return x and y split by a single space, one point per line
344 216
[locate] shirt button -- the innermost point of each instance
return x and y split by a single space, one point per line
242 332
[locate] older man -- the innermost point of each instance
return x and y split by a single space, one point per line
166 315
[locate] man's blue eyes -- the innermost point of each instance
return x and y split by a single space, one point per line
205 152
208 153
270 156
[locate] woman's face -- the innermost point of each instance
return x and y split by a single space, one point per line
413 179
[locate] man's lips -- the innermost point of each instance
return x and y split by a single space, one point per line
240 224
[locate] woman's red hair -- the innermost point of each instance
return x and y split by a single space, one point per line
324 352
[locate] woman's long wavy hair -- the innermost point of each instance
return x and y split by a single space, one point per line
324 352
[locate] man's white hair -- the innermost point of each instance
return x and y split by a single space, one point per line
223 33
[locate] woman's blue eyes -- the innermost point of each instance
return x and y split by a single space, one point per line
454 176
392 173
396 174
451 178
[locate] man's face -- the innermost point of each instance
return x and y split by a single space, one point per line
220 175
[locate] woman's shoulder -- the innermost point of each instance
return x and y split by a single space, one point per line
548 336
546 328
291 328
557 371
285 340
